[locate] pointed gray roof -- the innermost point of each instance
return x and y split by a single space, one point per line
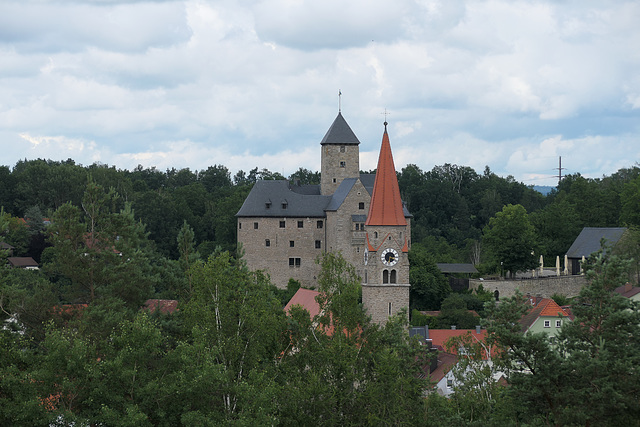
588 241
340 133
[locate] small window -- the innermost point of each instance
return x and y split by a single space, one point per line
284 205
334 180
294 262
558 323
342 148
267 243
361 205
282 224
239 226
291 243
547 323
375 234
449 383
343 164
385 276
318 244
255 225
319 224
300 224
362 226
389 309
357 226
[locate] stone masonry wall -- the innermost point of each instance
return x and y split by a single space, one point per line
569 286
274 258
376 300
332 156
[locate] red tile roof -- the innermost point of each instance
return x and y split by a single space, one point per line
307 299
540 307
166 306
386 204
439 337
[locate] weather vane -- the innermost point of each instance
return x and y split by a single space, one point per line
339 101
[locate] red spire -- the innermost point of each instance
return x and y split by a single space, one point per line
386 205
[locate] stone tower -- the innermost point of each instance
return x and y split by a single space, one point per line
340 157
385 287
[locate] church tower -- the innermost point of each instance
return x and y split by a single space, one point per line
385 287
340 157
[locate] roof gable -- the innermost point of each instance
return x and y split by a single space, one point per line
541 307
386 206
340 133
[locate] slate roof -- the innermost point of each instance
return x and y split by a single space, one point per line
22 262
588 241
340 133
456 268
299 203
541 307
5 246
386 206
627 290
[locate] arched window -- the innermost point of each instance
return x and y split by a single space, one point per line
393 278
385 276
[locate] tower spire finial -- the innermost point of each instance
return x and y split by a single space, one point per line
386 113
339 101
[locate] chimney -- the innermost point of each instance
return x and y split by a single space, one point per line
453 327
426 332
627 286
478 329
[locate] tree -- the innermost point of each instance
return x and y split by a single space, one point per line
591 374
511 239
100 250
428 286
236 327
343 369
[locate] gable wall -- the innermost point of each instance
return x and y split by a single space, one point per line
275 258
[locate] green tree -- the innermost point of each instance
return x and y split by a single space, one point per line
428 286
511 239
100 250
589 376
236 328
344 370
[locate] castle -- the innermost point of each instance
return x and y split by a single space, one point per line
283 227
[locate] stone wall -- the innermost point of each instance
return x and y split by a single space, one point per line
253 234
569 286
379 300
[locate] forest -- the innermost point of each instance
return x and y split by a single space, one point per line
78 348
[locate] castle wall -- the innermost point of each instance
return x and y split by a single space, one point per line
277 258
569 286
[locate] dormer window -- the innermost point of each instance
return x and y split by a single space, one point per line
284 205
267 204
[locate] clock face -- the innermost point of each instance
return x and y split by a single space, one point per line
389 257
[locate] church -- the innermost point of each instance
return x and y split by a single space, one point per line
284 227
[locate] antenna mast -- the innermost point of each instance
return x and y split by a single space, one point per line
560 168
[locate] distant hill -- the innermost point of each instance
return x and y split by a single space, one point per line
544 189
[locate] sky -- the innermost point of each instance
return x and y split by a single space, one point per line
513 85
